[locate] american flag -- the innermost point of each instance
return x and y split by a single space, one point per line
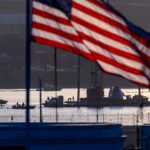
95 30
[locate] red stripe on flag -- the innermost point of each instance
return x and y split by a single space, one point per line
124 28
111 49
138 83
51 17
116 64
102 32
62 46
56 31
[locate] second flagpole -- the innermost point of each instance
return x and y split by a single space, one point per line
27 69
56 84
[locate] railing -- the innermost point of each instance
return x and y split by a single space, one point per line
124 119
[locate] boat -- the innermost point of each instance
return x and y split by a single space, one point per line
54 102
70 102
95 98
3 102
22 106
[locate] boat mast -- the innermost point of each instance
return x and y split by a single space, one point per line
139 90
78 91
40 99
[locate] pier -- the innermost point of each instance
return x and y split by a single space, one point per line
63 136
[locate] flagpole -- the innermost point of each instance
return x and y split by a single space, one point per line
55 64
27 69
28 58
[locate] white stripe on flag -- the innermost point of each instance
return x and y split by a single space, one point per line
48 9
55 37
104 39
54 24
112 69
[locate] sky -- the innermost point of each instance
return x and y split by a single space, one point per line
137 11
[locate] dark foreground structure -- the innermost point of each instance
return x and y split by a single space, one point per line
61 136
145 137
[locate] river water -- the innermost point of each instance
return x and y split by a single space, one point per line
123 115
